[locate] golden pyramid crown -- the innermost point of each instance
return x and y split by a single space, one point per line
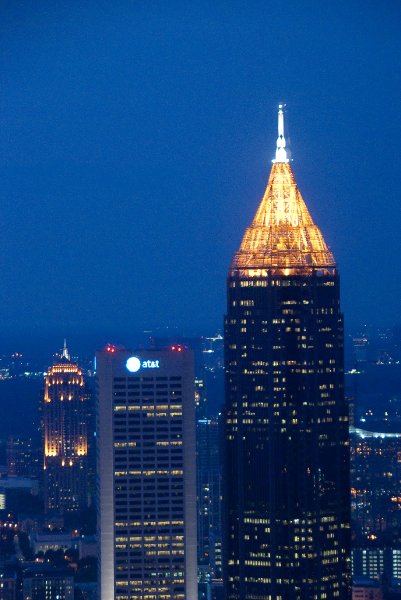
282 237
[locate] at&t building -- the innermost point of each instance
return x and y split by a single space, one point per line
146 474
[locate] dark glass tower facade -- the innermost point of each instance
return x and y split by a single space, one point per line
209 497
286 468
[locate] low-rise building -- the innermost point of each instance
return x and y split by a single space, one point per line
366 589
42 542
8 584
42 581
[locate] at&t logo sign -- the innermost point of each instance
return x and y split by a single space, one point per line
134 363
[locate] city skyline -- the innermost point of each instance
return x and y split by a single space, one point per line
227 425
140 177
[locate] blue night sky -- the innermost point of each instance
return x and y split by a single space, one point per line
136 139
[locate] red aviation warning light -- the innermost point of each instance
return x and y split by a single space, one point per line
177 348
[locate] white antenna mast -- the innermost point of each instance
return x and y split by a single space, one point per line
65 354
281 153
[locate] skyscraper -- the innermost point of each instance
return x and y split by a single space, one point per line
146 474
65 437
209 496
286 471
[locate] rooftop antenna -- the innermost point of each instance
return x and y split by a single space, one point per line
281 153
65 353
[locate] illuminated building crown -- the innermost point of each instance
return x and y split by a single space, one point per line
282 237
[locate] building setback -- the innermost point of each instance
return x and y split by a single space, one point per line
286 467
146 474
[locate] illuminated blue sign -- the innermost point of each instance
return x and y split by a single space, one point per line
134 363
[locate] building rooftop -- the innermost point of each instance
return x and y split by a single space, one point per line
282 236
363 433
365 582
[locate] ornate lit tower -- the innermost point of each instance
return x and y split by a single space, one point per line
286 472
65 414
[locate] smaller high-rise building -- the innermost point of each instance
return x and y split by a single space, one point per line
8 583
146 474
44 582
65 437
376 561
375 487
22 457
366 589
209 484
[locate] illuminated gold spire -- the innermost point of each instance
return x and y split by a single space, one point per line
282 237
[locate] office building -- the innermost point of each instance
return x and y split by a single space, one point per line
18 494
366 589
8 583
286 473
48 540
65 437
375 561
376 486
146 474
209 497
44 582
22 457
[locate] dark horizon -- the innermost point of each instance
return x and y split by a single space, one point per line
85 344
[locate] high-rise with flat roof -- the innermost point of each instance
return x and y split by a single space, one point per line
286 473
146 474
23 458
376 485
